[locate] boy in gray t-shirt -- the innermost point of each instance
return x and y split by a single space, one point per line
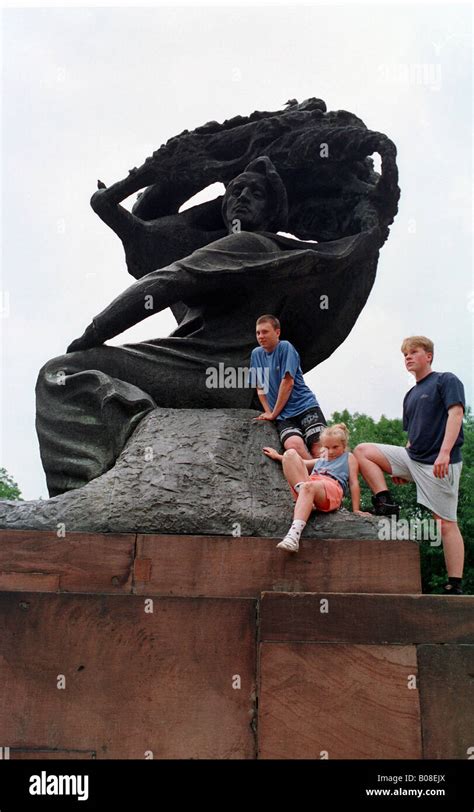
432 416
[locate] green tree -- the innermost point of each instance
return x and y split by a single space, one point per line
364 429
8 487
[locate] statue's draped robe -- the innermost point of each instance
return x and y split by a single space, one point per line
89 402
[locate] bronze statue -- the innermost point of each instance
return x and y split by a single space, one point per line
220 265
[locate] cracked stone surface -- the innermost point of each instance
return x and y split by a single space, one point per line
187 471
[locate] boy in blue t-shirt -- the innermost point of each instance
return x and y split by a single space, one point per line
275 370
433 412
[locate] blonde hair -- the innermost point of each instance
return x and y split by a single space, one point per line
338 430
412 342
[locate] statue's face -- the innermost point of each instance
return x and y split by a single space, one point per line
247 201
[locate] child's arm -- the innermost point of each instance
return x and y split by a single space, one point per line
284 392
274 455
265 404
257 375
354 486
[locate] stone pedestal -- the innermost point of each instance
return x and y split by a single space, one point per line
220 647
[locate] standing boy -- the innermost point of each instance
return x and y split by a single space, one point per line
432 415
275 367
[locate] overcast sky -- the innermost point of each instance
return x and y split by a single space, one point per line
89 93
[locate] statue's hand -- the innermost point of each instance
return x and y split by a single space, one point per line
88 339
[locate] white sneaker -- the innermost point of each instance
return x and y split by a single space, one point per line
290 544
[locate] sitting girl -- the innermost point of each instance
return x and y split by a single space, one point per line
325 488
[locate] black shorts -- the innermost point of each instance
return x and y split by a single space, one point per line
308 425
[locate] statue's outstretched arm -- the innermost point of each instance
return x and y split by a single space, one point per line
153 293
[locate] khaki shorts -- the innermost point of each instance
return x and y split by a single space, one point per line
439 495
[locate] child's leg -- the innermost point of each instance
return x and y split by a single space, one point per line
311 493
294 468
372 464
329 497
297 444
315 449
453 547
